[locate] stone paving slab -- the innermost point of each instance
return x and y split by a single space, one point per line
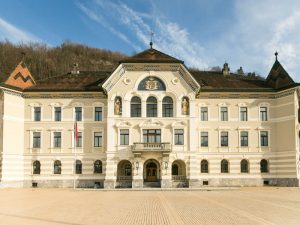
243 206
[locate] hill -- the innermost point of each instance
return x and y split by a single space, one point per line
44 61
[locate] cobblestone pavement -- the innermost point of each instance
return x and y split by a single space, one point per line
86 207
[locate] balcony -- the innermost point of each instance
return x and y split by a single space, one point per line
151 147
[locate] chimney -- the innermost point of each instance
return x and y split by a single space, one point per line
226 69
75 69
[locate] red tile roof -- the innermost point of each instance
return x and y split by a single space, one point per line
151 55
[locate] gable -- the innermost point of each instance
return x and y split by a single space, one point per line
151 77
278 77
20 77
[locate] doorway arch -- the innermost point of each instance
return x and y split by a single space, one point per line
151 171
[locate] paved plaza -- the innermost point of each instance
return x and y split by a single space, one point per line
67 206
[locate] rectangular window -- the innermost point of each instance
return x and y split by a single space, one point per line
224 114
57 113
264 138
57 139
37 113
263 113
243 114
224 138
78 113
36 143
204 113
244 138
79 140
97 139
152 136
98 113
179 137
124 137
204 139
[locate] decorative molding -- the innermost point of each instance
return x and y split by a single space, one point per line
179 124
123 124
151 123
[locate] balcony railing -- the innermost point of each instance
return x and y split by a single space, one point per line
151 147
124 178
178 177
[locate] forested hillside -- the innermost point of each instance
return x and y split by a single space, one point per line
44 61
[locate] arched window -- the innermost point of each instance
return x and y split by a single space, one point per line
78 167
97 166
244 166
167 107
57 167
204 166
175 170
264 167
127 168
135 107
36 167
224 166
185 106
118 106
151 107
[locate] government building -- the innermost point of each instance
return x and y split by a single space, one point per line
151 122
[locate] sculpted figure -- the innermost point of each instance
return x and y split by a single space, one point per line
185 106
118 106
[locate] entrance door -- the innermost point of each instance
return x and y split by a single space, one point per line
151 172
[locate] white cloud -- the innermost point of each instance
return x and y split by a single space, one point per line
100 19
260 29
15 34
169 37
257 29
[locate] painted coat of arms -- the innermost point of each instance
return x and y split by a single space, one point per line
151 84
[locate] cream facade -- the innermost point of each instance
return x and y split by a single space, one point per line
153 124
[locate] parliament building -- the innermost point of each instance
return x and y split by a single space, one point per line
151 122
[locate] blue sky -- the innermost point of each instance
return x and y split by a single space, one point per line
202 33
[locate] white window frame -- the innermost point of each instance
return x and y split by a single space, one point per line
184 140
119 135
221 129
208 136
200 116
33 105
247 113
264 148
52 139
94 113
240 132
31 139
82 112
95 130
267 105
73 139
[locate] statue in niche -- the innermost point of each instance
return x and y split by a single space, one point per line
185 106
118 106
